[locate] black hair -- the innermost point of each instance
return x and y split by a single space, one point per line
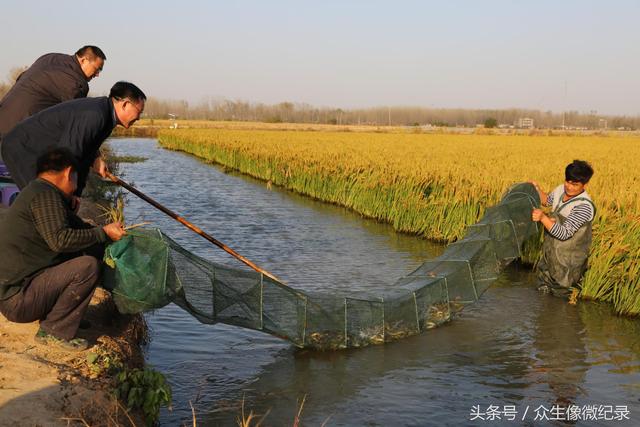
125 90
56 160
91 53
578 171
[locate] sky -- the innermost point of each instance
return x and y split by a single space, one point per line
547 55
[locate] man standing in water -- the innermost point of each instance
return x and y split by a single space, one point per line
567 239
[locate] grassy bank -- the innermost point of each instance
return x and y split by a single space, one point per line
435 185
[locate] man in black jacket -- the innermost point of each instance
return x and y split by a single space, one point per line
81 126
52 79
44 274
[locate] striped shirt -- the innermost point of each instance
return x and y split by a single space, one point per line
579 215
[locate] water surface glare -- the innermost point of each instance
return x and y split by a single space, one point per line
514 347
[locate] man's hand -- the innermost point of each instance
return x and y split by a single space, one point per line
100 167
535 184
115 231
537 215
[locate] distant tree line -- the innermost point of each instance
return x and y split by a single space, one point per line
289 112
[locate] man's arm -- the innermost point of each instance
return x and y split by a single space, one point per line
576 219
87 139
539 216
51 218
578 216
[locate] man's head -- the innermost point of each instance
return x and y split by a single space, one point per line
576 175
128 101
91 59
59 167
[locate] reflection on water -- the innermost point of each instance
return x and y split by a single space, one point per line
514 347
560 351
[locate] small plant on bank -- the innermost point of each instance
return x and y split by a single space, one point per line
102 361
145 389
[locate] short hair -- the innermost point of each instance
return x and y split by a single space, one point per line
578 171
91 53
125 90
56 160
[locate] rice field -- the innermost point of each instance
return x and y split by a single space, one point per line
434 185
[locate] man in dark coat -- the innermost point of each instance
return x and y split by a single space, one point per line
52 79
81 126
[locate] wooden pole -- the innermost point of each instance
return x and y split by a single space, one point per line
190 226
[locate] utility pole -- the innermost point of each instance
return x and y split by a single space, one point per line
389 108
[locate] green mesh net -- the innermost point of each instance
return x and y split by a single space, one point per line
151 270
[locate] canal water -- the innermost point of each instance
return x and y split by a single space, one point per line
508 359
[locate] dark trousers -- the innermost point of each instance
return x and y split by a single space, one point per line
58 297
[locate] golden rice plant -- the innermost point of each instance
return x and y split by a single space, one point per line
435 185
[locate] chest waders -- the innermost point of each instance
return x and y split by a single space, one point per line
564 262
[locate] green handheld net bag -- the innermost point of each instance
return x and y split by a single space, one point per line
136 272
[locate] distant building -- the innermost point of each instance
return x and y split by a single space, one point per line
602 124
524 123
173 118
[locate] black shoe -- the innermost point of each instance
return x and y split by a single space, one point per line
84 324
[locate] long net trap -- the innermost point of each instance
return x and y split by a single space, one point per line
151 270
